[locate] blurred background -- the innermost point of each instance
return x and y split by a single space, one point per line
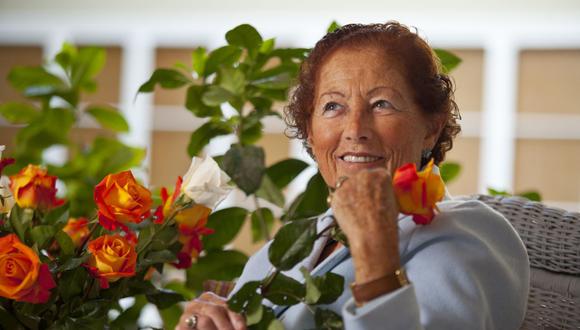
517 87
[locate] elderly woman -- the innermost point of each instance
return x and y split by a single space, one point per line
369 99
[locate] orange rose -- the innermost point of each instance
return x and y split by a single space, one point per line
191 224
112 257
120 200
32 187
77 229
418 192
22 276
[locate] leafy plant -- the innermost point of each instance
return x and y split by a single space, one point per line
54 93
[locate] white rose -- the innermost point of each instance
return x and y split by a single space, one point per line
205 182
7 201
2 148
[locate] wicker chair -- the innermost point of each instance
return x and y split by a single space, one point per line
552 238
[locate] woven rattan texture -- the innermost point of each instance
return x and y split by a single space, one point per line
551 310
551 235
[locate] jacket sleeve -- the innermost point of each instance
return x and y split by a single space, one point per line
468 269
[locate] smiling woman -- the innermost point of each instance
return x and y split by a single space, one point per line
371 99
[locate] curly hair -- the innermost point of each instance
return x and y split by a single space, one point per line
433 89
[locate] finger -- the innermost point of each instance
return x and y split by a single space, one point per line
238 320
219 316
213 298
205 322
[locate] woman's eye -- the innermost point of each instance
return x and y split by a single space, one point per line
382 104
331 106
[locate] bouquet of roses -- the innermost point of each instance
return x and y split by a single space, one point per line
61 272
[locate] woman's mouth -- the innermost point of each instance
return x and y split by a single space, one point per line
360 159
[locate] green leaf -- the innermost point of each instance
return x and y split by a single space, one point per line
166 78
312 202
284 290
267 46
226 55
312 291
215 265
251 133
75 280
42 234
199 58
245 165
257 226
215 96
201 136
494 192
449 171
232 79
240 301
193 102
108 117
332 27
156 257
170 316
328 320
8 320
270 192
226 223
254 311
29 78
18 113
179 287
245 36
331 286
292 243
284 171
531 195
19 219
72 263
449 61
85 66
268 321
164 298
129 317
66 244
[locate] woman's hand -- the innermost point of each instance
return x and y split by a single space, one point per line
212 312
366 210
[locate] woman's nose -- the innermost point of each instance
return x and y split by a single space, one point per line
358 126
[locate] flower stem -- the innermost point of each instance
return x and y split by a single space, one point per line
263 225
81 247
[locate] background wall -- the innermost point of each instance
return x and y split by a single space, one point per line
517 86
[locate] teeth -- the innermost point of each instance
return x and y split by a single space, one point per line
359 159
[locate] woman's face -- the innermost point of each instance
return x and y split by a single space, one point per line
364 115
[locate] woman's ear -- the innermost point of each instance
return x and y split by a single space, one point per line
434 128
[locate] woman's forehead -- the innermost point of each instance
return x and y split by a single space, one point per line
369 66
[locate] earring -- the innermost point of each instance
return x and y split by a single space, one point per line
425 157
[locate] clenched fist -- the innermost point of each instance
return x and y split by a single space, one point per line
366 210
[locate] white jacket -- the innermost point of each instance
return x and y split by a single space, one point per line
468 270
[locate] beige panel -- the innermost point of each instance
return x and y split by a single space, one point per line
167 58
550 167
109 79
276 147
465 152
169 157
11 56
468 78
7 138
549 81
86 136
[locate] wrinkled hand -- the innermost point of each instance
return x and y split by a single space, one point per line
366 210
212 313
